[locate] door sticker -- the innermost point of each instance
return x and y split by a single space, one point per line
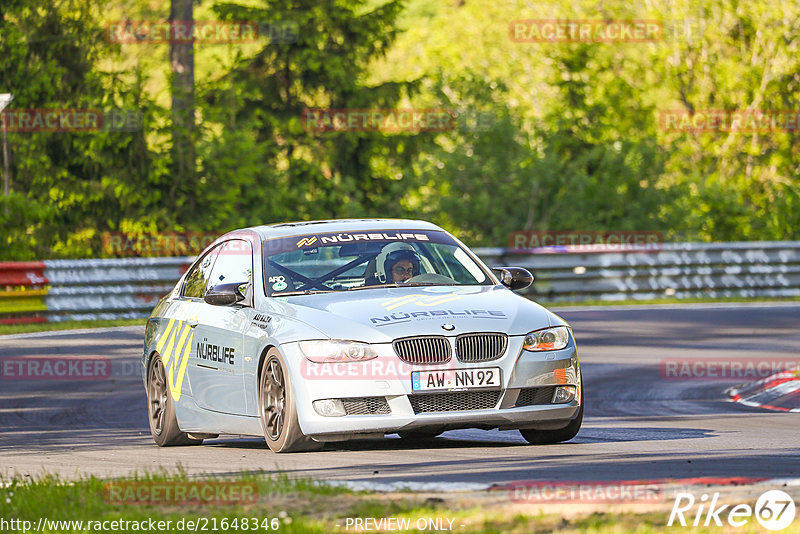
175 367
278 283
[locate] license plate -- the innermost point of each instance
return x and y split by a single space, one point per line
455 379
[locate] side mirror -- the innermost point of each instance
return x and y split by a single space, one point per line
224 294
514 278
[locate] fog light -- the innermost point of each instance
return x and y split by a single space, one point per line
329 407
564 394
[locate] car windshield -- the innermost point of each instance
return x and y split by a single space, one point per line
353 260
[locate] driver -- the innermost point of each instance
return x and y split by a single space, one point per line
401 265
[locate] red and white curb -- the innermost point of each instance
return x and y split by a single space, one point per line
780 391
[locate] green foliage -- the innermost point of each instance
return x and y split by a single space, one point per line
69 185
546 135
325 174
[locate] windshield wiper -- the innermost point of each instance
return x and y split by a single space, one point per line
304 292
428 284
401 284
356 288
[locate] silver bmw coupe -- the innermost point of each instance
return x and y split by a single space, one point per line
320 331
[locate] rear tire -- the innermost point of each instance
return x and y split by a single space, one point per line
161 409
548 437
277 409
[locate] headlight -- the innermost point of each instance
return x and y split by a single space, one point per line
331 351
548 339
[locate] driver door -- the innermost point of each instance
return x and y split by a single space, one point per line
216 367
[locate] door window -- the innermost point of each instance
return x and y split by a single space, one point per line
197 279
234 265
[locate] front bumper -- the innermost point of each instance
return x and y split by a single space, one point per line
388 378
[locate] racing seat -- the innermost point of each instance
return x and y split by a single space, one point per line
371 273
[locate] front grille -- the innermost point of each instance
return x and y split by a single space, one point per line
536 396
454 402
423 349
366 406
480 347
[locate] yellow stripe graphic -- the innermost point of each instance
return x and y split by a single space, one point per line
433 301
400 301
307 241
419 300
182 339
167 354
176 368
176 385
164 336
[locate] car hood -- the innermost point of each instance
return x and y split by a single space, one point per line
383 314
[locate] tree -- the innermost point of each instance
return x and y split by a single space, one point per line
69 186
323 65
181 58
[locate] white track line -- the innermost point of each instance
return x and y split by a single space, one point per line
677 306
51 333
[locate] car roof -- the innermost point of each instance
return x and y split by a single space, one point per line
339 225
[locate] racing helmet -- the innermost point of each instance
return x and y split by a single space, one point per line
377 267
399 255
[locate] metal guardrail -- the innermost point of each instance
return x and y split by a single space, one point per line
674 270
62 290
58 290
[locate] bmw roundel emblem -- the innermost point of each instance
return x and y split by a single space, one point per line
449 327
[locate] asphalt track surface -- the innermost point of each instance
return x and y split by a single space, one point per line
638 425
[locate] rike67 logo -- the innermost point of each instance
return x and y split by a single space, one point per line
774 510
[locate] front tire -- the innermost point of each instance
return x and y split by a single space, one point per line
277 409
161 409
548 437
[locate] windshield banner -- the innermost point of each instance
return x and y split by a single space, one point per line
312 241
